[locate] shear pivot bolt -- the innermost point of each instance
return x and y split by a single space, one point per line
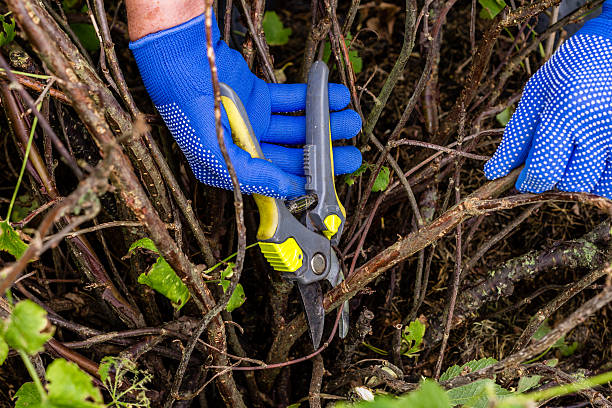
318 263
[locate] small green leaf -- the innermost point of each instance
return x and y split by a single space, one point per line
542 331
87 35
468 367
568 349
105 367
145 243
24 205
27 396
27 328
527 383
551 362
275 31
9 31
429 395
504 116
3 351
382 180
476 394
412 337
69 386
162 278
491 8
350 178
354 57
238 297
356 61
121 369
228 271
71 6
10 241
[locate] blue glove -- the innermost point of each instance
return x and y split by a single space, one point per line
176 73
562 129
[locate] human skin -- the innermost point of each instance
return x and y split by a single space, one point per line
150 16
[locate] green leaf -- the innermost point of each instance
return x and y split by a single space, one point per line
124 368
429 395
238 297
27 328
354 57
412 337
71 6
564 347
275 31
3 351
382 180
350 178
551 362
568 349
144 243
228 272
27 396
87 35
24 205
504 116
527 383
491 8
476 394
69 386
468 367
9 31
356 61
162 278
105 367
10 241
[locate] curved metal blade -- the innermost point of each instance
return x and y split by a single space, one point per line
334 277
312 298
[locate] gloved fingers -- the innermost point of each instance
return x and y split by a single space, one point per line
292 129
347 159
547 158
292 97
518 135
585 167
263 177
604 186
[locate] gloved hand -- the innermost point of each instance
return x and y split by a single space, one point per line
562 129
176 73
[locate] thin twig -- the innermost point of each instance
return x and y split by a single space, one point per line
552 306
576 318
110 224
15 84
314 392
437 147
240 227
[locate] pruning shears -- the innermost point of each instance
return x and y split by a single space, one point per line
301 250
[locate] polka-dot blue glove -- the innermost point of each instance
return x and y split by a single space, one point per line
562 129
176 73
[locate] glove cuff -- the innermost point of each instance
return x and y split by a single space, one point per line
601 25
173 62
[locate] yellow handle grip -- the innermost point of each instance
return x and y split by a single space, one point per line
243 137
